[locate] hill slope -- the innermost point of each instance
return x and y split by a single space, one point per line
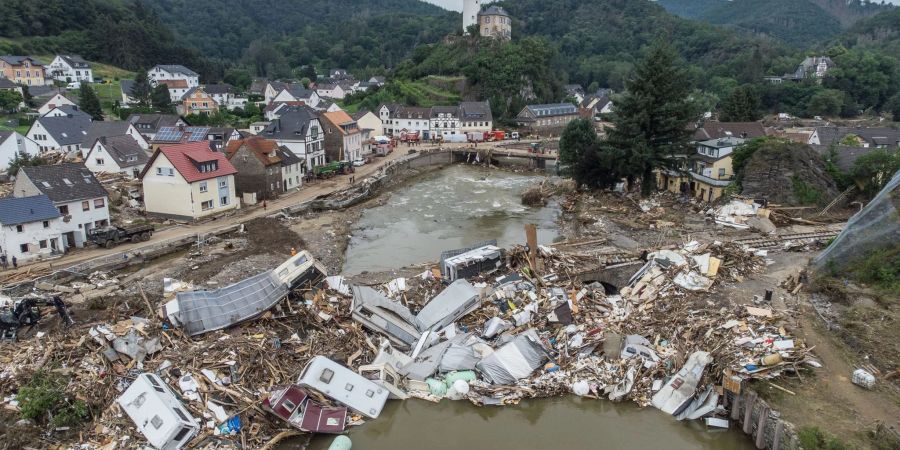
795 21
122 33
881 33
351 34
598 40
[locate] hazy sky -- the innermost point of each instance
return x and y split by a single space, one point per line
456 5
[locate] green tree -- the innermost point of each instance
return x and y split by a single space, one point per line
894 107
23 159
826 103
876 169
587 161
741 106
870 79
141 90
651 118
238 78
160 99
10 101
89 102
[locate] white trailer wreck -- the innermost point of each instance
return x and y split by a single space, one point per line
344 385
200 312
157 413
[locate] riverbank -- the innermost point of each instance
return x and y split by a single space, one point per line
268 353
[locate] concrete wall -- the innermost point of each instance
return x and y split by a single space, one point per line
763 424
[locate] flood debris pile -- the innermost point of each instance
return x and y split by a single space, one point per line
295 349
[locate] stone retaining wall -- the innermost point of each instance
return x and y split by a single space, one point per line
761 423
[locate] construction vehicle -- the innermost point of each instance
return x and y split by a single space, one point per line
112 235
333 168
26 312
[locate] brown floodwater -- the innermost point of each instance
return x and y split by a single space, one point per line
557 423
456 207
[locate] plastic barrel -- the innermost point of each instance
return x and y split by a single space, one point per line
340 443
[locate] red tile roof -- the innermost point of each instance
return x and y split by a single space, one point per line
184 157
174 84
261 148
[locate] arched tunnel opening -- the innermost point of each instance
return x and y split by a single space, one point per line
608 288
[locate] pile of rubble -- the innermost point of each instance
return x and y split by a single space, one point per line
239 365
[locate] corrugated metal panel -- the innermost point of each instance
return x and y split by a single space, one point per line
203 311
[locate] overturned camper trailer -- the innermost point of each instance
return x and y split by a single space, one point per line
378 313
344 385
294 405
459 299
200 312
385 375
516 360
157 413
484 257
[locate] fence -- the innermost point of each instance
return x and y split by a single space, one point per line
872 228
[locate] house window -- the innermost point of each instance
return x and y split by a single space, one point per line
207 205
224 200
159 171
326 376
100 161
64 210
46 224
223 184
23 248
203 186
43 244
20 228
721 172
99 203
85 206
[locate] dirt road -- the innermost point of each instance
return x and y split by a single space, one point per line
307 192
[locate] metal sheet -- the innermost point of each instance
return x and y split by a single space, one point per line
204 311
452 303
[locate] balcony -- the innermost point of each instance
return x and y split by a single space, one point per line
712 181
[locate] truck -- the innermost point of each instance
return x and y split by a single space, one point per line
333 168
113 235
475 136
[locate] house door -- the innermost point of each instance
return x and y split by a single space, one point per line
69 239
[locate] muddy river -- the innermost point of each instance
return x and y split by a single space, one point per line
456 207
447 209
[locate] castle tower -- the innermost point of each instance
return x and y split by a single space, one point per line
470 11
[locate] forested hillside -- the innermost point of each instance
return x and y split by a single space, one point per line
277 36
121 33
878 33
798 22
599 40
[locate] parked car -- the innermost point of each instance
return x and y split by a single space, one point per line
359 163
74 85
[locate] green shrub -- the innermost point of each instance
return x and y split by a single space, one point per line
812 438
880 269
806 194
45 397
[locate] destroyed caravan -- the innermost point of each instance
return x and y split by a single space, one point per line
202 311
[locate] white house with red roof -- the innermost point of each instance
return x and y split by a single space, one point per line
188 182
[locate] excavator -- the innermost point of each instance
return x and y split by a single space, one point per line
26 312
